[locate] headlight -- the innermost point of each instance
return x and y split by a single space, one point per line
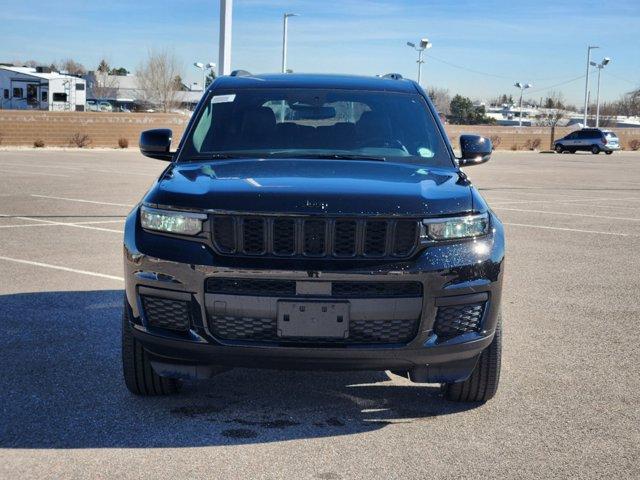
182 223
455 227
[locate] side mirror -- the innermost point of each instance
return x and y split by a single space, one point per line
156 144
475 150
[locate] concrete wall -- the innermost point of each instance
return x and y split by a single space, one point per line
105 129
56 129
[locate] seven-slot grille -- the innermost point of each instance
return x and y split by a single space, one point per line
314 237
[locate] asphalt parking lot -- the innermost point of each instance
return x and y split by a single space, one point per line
568 405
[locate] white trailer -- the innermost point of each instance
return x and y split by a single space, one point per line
23 88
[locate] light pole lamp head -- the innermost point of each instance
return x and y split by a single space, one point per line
425 43
527 85
606 61
211 65
199 65
517 84
593 64
411 44
287 15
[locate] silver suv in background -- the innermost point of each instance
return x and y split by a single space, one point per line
593 140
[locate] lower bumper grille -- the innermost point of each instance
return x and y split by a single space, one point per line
287 288
455 320
166 313
360 331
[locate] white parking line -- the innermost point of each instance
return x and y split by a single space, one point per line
85 168
82 200
57 224
585 199
33 173
569 214
58 267
67 224
544 227
563 202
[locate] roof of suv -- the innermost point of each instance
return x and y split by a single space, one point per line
307 80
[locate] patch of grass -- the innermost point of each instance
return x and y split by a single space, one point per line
38 143
123 142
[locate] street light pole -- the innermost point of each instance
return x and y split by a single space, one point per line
586 85
224 51
420 62
522 87
204 68
599 66
598 99
284 39
423 45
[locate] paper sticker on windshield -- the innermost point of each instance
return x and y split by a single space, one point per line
223 98
425 152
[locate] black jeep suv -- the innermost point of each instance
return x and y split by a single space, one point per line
313 222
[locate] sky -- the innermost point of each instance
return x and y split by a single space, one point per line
479 48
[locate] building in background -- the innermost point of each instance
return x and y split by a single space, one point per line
40 88
123 93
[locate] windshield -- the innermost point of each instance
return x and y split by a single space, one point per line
304 123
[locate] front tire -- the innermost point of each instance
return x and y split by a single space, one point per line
139 376
609 152
482 385
559 148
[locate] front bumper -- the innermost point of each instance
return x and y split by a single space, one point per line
454 273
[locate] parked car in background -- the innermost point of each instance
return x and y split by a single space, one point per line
92 106
105 106
593 140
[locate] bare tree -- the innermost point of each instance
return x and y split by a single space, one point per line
102 84
551 118
72 67
553 113
441 99
157 79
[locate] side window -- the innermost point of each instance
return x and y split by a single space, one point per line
6 93
44 96
17 93
202 129
59 97
79 86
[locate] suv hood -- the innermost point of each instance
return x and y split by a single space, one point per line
332 187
